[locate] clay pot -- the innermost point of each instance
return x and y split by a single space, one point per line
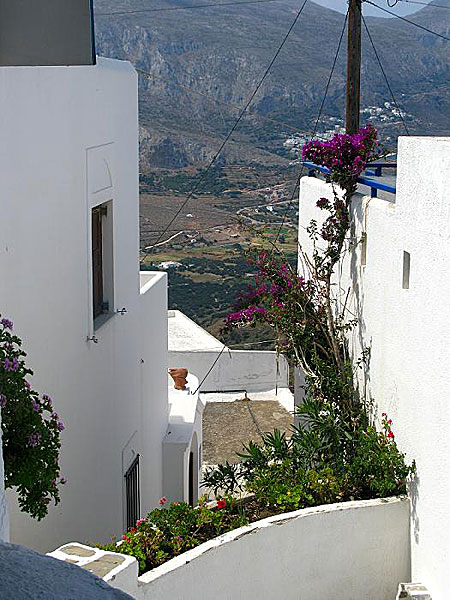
179 377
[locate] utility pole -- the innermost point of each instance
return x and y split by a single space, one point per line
353 67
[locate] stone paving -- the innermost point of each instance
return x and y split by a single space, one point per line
227 425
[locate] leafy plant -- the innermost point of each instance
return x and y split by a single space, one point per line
30 429
169 531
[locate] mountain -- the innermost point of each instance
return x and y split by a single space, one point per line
204 63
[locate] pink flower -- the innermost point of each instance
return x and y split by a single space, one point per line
162 501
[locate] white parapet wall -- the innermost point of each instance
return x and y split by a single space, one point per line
399 290
4 516
349 551
192 347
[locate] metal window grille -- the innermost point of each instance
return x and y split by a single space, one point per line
132 493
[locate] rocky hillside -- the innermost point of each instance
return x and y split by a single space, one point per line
203 63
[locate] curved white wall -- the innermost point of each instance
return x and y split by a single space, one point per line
348 551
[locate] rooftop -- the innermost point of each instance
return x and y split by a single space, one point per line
185 335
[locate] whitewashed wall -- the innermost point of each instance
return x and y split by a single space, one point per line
251 370
4 516
70 141
408 331
350 551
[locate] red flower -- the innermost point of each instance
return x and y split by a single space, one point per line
383 414
390 422
162 501
221 503
390 435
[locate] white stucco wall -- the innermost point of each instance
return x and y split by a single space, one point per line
408 331
251 370
4 515
184 435
192 347
346 551
70 142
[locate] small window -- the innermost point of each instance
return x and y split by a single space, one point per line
132 493
102 261
97 261
364 249
406 269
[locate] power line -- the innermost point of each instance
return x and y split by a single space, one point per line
216 100
220 354
238 120
385 76
418 2
408 21
315 126
172 8
330 76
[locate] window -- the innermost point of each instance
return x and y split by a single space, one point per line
97 261
102 262
406 269
132 493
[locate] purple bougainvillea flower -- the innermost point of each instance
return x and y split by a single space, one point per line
34 439
60 426
7 323
10 365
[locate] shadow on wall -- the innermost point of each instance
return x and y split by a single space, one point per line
358 241
414 494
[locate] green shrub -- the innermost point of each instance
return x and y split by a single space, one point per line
325 460
168 532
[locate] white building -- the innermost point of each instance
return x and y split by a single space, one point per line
94 329
400 287
222 370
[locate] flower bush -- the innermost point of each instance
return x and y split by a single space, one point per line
335 452
30 429
302 311
169 531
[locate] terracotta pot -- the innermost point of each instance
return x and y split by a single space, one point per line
179 377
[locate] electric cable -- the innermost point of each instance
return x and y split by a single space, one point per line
226 347
238 120
384 75
216 100
294 191
173 8
408 21
432 4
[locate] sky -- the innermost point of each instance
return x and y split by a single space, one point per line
401 8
